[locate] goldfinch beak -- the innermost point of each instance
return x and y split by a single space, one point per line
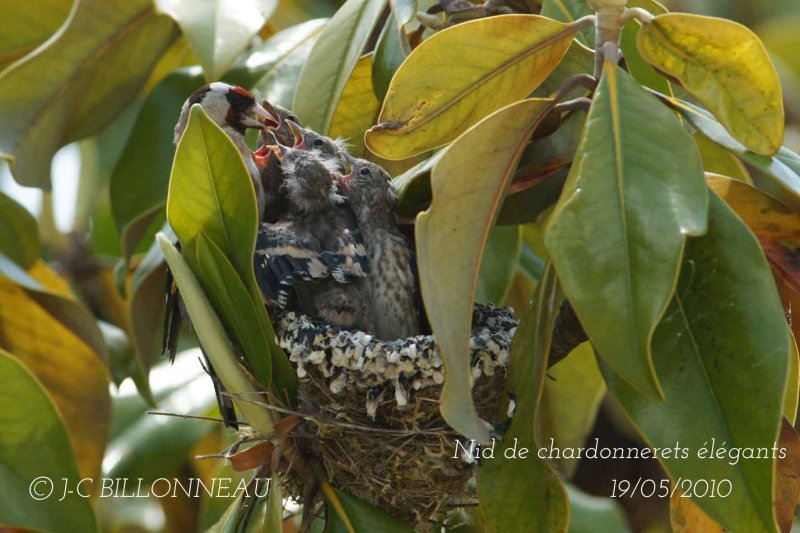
299 143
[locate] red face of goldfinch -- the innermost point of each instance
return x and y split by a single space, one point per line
229 106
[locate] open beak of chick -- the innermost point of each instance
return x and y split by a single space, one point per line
344 180
299 142
263 154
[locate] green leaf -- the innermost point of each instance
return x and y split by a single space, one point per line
469 182
404 11
238 311
578 60
617 234
218 30
33 24
357 108
273 519
298 11
332 60
413 187
640 69
75 377
570 11
721 352
506 483
148 445
19 233
436 95
215 342
34 443
282 58
500 261
360 515
778 175
390 52
211 192
141 178
570 403
718 160
725 66
588 514
145 317
79 81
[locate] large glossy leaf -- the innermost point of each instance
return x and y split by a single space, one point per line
357 107
718 160
34 443
527 485
72 373
19 233
241 315
640 69
725 317
32 24
436 94
218 30
500 261
216 343
778 175
617 234
725 66
298 11
570 403
282 58
354 515
150 445
79 81
332 60
211 192
141 177
469 182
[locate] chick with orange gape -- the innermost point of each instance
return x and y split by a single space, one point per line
328 243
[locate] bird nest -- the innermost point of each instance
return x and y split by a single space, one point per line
372 409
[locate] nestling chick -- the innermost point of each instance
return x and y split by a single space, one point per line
316 247
391 278
268 164
307 139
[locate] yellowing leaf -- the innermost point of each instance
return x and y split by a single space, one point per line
725 66
357 107
218 30
461 74
616 236
469 183
69 370
78 81
34 443
776 226
570 403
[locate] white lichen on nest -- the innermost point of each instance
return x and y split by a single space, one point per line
354 359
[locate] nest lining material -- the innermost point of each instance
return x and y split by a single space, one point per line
373 408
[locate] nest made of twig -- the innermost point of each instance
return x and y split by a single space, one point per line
372 409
